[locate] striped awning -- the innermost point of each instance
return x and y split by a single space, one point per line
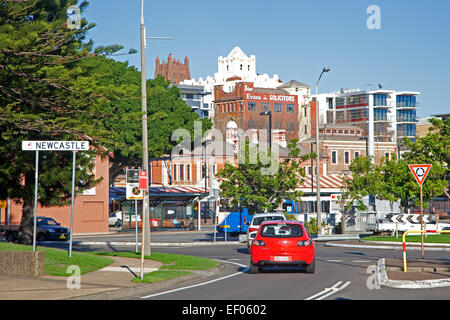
176 190
162 193
328 183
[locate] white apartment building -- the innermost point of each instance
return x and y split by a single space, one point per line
385 115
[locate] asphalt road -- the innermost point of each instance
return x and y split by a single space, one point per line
344 269
341 273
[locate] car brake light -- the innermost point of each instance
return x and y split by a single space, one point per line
252 229
304 243
259 243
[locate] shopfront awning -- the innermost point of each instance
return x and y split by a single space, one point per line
162 194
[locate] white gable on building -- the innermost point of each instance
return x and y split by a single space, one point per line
236 67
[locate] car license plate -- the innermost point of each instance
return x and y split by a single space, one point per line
282 258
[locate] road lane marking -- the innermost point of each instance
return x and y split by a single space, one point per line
361 261
203 283
334 260
334 291
324 291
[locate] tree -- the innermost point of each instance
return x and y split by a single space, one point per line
392 180
363 180
248 185
433 149
45 95
166 112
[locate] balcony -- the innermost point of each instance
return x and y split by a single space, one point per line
406 105
406 120
388 104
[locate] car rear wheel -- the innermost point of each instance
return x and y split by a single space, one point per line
311 268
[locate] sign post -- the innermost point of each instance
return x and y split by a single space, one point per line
54 146
134 192
420 172
143 184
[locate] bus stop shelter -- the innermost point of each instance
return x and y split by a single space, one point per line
166 204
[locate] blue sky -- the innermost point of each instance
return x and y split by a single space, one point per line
295 39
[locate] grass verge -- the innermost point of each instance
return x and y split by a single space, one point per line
57 261
170 261
173 265
441 238
161 275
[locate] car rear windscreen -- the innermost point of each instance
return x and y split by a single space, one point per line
282 231
257 221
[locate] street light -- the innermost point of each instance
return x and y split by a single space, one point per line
145 250
269 113
319 215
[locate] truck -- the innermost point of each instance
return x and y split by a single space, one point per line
233 222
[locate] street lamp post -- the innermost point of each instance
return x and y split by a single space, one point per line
145 250
268 113
319 209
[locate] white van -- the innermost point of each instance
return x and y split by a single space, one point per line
257 219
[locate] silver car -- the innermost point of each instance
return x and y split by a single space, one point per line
257 219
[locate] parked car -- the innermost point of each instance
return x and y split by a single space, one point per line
282 243
257 219
49 229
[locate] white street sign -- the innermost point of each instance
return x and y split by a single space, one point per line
55 145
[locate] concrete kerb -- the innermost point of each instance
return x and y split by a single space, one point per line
393 246
156 244
200 243
123 293
383 280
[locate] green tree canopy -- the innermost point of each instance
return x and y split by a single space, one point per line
45 94
252 184
392 180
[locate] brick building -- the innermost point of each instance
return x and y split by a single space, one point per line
173 70
340 144
240 109
91 209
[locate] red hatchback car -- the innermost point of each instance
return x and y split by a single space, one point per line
281 243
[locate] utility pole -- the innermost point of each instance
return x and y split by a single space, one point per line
146 250
319 209
145 246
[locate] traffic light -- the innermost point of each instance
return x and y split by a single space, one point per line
195 205
133 176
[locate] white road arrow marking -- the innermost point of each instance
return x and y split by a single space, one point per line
326 290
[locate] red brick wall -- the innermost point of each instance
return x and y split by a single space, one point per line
173 70
244 92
